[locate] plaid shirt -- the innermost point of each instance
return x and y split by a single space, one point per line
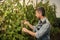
42 29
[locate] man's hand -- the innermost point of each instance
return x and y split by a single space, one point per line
24 30
28 31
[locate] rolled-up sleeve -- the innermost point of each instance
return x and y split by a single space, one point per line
34 28
42 30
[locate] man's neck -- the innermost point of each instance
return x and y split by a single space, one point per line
42 17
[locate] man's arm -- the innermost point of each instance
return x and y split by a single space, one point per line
31 26
31 33
39 33
26 22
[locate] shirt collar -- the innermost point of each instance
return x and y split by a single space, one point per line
43 19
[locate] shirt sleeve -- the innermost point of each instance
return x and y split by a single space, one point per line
34 28
42 30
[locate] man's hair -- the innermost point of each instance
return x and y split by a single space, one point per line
42 10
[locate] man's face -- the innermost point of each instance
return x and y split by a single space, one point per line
38 14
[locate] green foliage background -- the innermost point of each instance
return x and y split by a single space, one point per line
12 13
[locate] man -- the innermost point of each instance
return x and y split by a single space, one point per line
42 30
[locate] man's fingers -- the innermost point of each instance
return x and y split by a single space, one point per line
24 29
